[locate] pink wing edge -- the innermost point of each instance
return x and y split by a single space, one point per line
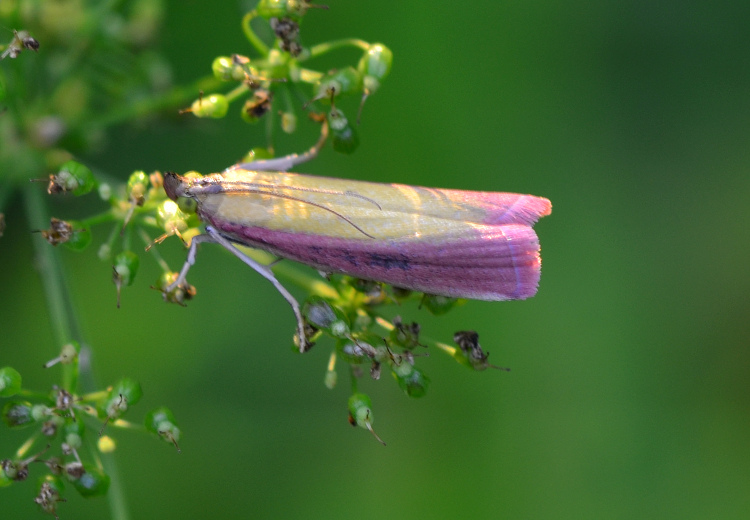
499 261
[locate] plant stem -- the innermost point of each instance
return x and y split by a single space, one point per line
323 48
261 47
53 281
175 97
65 325
115 495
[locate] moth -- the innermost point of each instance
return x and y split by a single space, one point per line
455 243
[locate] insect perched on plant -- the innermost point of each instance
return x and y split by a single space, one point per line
462 244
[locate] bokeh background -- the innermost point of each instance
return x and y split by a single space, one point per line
629 394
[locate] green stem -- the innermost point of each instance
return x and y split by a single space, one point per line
175 97
256 42
237 92
101 218
53 279
65 324
323 48
116 495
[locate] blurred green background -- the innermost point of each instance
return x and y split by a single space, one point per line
629 394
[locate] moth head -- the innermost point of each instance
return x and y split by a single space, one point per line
175 185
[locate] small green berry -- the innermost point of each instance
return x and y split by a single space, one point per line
93 482
360 413
215 105
17 414
322 315
337 83
10 382
125 393
161 421
170 217
374 66
223 67
137 187
72 177
410 379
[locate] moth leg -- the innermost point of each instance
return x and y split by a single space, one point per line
282 164
190 261
266 273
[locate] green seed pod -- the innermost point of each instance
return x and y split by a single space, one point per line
17 414
322 315
337 83
178 294
92 483
374 66
137 187
126 267
360 413
68 354
13 470
439 305
257 107
410 379
346 140
80 237
10 382
295 9
405 335
72 177
360 410
170 217
125 393
242 71
72 433
41 412
470 353
215 105
223 68
161 421
363 349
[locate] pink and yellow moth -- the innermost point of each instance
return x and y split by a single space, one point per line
462 244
